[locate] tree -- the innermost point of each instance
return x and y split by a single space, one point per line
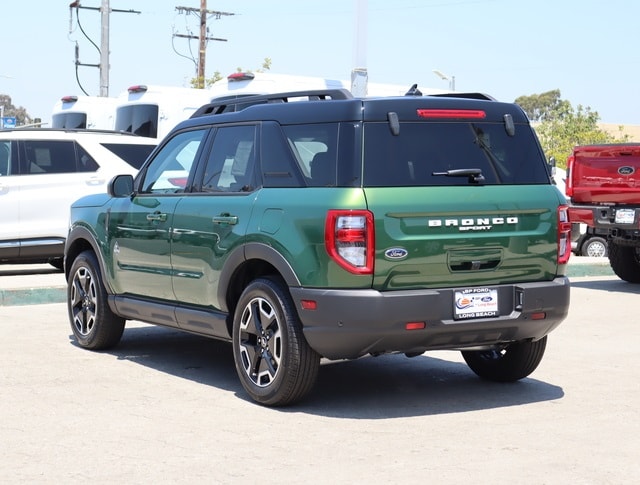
560 127
22 118
539 106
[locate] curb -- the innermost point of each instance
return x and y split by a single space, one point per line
33 296
58 294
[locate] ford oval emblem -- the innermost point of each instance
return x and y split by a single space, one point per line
396 253
626 170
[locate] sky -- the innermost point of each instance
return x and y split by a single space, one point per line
588 49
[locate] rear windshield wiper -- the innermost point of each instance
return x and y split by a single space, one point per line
474 174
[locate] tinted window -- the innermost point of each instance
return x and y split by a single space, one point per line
141 119
69 120
279 168
5 158
315 149
168 172
412 157
50 157
134 155
231 162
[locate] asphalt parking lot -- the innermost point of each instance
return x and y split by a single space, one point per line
166 407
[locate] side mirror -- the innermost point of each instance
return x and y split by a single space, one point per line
552 166
120 186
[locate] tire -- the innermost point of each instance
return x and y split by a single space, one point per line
93 324
516 361
625 262
275 364
595 247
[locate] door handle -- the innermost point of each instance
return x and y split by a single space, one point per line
157 216
225 219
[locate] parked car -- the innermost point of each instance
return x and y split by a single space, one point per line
589 241
307 225
42 171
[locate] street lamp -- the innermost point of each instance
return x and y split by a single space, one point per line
452 79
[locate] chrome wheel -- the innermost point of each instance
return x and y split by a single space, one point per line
83 301
260 342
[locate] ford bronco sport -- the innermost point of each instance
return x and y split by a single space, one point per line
306 225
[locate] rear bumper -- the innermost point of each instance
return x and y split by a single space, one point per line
352 323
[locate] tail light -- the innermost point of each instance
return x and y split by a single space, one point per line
568 187
564 235
349 239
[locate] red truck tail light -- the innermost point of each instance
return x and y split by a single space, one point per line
349 239
568 186
564 235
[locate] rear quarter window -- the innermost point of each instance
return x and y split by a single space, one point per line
134 155
423 149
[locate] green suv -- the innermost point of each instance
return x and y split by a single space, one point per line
302 226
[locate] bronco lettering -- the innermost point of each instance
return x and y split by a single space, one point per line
469 223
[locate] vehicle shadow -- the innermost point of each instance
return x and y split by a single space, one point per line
611 285
388 386
27 270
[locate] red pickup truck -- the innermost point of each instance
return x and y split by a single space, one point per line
603 185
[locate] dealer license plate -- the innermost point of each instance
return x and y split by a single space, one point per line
475 303
625 216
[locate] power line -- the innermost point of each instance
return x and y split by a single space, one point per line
202 14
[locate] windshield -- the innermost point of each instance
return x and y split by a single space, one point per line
436 154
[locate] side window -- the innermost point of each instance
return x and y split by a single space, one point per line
231 162
315 148
5 158
279 168
169 170
50 156
86 162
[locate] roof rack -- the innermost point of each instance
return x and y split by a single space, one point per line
229 104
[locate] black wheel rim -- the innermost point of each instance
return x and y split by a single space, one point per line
260 342
83 299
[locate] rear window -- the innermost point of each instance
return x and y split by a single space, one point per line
134 155
422 153
141 119
69 120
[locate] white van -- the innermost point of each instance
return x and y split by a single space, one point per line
249 83
80 112
152 111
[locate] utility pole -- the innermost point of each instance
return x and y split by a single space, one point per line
202 12
105 11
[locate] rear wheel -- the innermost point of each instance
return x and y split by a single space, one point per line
93 323
514 362
595 247
275 364
625 262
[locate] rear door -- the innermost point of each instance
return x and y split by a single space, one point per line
459 202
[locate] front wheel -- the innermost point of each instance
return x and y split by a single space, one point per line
93 323
511 363
275 364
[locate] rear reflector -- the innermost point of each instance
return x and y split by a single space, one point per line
451 113
538 316
415 325
309 304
